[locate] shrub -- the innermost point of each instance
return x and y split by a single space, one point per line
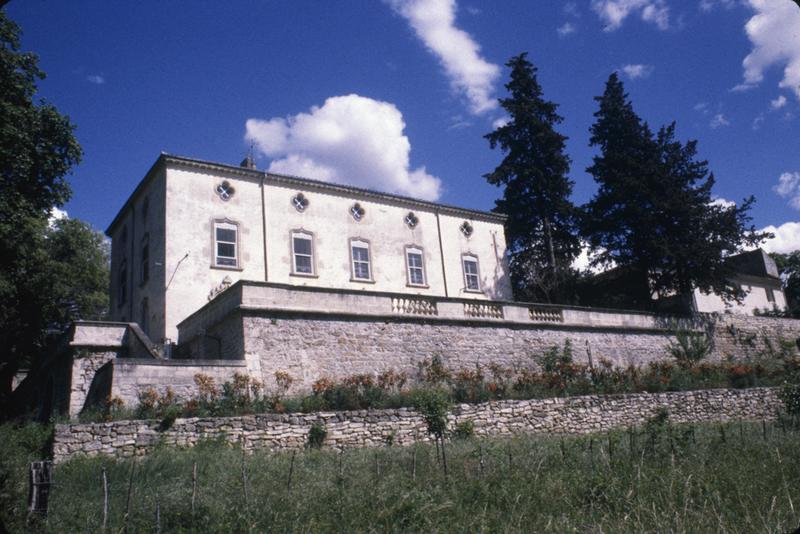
790 396
433 371
464 430
316 435
691 348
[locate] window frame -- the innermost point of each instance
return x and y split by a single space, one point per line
303 234
770 294
144 261
415 249
472 258
122 282
215 242
363 243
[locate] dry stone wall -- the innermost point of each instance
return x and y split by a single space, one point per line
572 415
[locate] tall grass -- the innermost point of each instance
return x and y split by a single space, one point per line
660 478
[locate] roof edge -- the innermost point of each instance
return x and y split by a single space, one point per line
166 158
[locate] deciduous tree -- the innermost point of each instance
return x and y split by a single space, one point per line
37 150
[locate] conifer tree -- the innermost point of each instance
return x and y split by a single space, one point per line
653 214
541 229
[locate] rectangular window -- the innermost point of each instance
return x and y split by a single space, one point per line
415 266
770 295
145 262
122 283
472 279
303 253
226 244
359 254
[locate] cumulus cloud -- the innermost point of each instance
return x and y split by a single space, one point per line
718 121
614 12
95 79
349 139
638 70
787 238
565 29
470 75
789 187
773 32
778 103
758 121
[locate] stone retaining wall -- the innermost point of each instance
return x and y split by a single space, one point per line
572 415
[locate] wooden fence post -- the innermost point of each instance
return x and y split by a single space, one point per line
40 479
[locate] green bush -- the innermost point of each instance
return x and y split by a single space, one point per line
790 396
464 430
691 348
316 435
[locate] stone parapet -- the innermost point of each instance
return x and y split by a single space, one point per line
373 428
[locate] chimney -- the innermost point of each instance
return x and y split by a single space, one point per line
248 162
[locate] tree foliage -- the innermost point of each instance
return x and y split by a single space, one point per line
653 214
789 267
37 150
541 231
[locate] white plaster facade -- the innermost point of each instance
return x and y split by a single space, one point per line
167 229
757 275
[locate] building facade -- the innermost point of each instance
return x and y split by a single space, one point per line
191 228
757 275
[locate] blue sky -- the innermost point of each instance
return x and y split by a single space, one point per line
396 95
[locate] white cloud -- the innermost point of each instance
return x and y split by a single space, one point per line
774 34
718 121
638 71
758 121
571 9
499 123
96 79
778 103
565 29
787 237
56 214
724 202
789 187
614 12
709 5
349 139
434 23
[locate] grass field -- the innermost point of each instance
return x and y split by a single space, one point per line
660 478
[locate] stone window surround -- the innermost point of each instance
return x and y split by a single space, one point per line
362 241
421 251
311 237
472 257
237 244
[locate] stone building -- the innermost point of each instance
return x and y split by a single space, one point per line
192 228
261 274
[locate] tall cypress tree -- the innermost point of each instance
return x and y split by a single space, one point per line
653 213
541 227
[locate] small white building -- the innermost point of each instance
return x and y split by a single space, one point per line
192 227
757 275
